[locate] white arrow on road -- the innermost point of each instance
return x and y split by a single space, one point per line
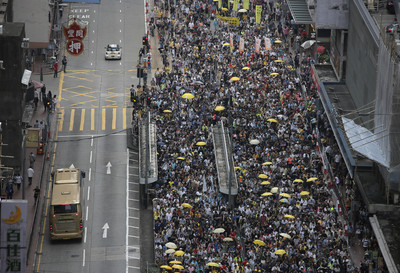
105 228
72 166
109 167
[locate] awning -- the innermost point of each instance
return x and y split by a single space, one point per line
300 12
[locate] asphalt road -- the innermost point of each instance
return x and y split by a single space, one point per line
93 114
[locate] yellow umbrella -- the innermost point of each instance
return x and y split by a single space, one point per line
264 176
266 194
304 193
224 9
170 251
278 61
171 244
237 168
226 44
166 267
265 183
274 74
267 163
186 205
219 230
213 264
219 108
234 79
188 96
274 189
311 179
246 68
298 180
227 239
280 251
179 253
284 200
182 158
167 111
285 235
175 262
178 266
289 216
272 120
285 194
278 41
201 143
259 242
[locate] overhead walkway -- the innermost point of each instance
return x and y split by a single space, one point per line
223 157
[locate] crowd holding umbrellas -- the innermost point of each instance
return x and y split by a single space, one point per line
284 219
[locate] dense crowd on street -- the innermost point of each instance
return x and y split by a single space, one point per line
297 226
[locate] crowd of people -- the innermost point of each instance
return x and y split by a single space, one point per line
286 222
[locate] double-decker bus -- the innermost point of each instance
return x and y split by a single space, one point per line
66 205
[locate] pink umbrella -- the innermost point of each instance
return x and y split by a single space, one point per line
320 49
37 84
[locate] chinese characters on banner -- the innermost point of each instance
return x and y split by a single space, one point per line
13 235
75 34
268 45
235 5
231 40
241 45
258 14
246 4
219 4
257 47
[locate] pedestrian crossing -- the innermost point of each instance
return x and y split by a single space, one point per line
93 119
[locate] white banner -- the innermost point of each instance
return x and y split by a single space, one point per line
13 235
257 46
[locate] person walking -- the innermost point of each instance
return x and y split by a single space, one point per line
30 175
43 91
18 181
55 68
36 192
31 159
64 64
10 190
36 98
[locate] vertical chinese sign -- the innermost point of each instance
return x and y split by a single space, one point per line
13 235
75 34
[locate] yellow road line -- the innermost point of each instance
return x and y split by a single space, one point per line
92 119
82 119
103 119
114 118
123 118
61 121
71 121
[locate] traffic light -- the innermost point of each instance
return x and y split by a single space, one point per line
145 40
148 100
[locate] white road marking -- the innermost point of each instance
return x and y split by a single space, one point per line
90 173
88 193
84 238
120 20
92 52
120 41
120 10
87 212
91 142
93 31
109 167
84 254
105 229
120 30
91 155
120 63
92 41
91 64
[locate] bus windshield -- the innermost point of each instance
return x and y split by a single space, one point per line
68 208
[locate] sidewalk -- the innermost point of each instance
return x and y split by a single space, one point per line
41 175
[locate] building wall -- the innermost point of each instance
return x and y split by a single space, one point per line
362 51
12 91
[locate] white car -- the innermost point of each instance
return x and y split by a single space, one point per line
113 52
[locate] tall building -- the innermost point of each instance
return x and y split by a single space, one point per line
359 89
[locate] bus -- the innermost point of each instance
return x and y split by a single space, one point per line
66 205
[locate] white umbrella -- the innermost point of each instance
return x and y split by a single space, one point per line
254 142
242 10
219 230
308 44
171 245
